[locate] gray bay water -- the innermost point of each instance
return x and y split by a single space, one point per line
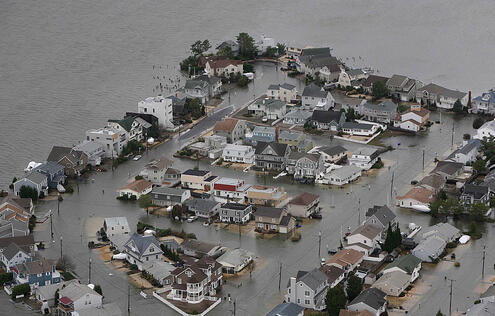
67 66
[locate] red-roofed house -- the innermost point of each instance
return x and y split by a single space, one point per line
413 119
224 67
304 205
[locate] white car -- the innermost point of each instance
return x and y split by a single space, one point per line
137 157
264 119
192 219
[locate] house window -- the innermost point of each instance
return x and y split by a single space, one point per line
307 302
306 293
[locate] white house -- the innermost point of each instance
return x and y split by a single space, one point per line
315 98
373 300
359 129
348 77
308 289
297 117
235 260
160 107
364 158
142 250
156 171
444 98
467 152
486 130
112 140
80 295
116 226
332 154
238 153
407 264
341 176
13 255
231 188
136 188
485 103
414 119
224 67
367 235
283 92
131 126
272 109
94 150
197 89
416 196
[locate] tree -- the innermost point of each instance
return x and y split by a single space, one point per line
439 313
144 201
479 165
458 107
200 47
57 296
281 48
388 245
98 289
354 287
28 192
380 90
154 131
351 115
466 136
477 211
247 49
226 51
6 277
11 186
65 264
22 289
243 81
195 108
178 211
478 122
335 300
271 52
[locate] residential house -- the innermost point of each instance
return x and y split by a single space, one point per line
344 312
39 272
365 238
271 156
383 112
35 180
393 283
26 243
286 309
408 264
485 308
234 261
203 208
136 188
466 153
264 43
369 83
313 60
343 102
403 87
327 120
414 119
429 249
196 88
74 161
13 255
272 219
164 196
142 250
334 275
198 249
148 120
308 289
159 106
161 271
331 72
116 226
432 182
262 134
232 129
232 45
359 129
444 231
349 78
235 213
109 309
238 154
284 92
54 173
118 241
46 295
315 98
14 220
215 145
373 300
156 171
332 154
112 140
131 126
224 68
266 195
304 165
304 205
474 193
198 180
341 176
485 103
75 297
364 157
381 216
448 169
196 281
416 196
304 146
230 188
346 259
486 130
24 204
297 117
443 98
93 150
291 138
488 295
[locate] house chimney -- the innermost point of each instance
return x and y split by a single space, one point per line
469 100
276 133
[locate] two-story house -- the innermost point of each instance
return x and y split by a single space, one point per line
95 151
135 189
39 272
131 126
265 134
467 152
156 170
315 98
116 226
284 92
308 289
14 255
198 180
266 195
373 300
364 239
224 67
73 160
271 109
238 154
112 140
271 156
403 87
349 78
441 97
142 250
195 88
408 264
235 213
165 196
297 117
414 119
272 219
485 103
160 107
332 154
304 165
75 297
204 208
364 157
233 130
382 216
476 193
327 120
304 205
231 189
35 180
54 173
384 112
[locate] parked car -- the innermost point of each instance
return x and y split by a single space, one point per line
192 219
137 157
264 119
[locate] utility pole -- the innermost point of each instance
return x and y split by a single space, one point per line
483 265
234 306
319 245
450 304
128 300
61 249
58 204
423 160
280 276
89 278
452 134
51 225
359 212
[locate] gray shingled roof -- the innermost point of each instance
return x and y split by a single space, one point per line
50 167
142 242
168 191
372 297
439 90
201 204
326 116
448 167
272 212
382 213
313 279
11 251
385 106
354 125
314 91
36 177
332 151
286 309
277 147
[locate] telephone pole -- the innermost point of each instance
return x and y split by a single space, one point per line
89 278
128 300
51 225
450 303
280 276
423 160
319 245
61 249
234 306
483 265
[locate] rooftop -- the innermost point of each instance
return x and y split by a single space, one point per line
137 185
196 172
272 212
372 297
326 116
407 263
419 194
304 198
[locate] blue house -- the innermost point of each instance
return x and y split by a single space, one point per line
37 273
54 173
35 180
262 134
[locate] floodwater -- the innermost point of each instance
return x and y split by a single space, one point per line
69 66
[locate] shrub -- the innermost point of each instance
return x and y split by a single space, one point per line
133 267
69 189
296 236
6 277
91 244
457 264
98 289
138 177
451 245
22 289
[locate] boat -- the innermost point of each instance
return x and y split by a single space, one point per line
421 208
60 188
32 165
464 239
